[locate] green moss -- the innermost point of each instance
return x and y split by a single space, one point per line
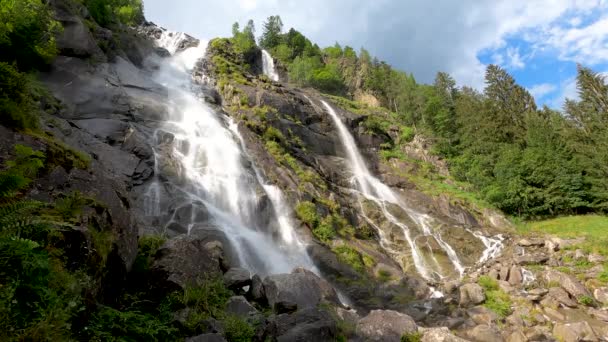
237 330
350 256
586 300
307 213
103 242
325 230
411 337
384 275
273 134
496 299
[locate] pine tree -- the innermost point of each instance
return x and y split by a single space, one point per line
271 35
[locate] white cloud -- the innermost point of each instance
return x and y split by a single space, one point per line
541 90
515 60
568 90
417 36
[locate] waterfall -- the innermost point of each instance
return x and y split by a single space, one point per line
268 66
212 172
373 189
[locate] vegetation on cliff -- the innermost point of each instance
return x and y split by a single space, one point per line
529 162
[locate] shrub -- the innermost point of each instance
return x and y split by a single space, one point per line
16 107
411 337
325 231
586 300
350 256
496 299
237 330
27 33
108 12
307 213
273 134
108 324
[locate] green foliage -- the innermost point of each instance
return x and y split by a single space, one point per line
350 256
325 230
273 134
307 213
237 329
148 246
16 106
111 12
586 300
27 33
496 299
411 337
207 299
271 35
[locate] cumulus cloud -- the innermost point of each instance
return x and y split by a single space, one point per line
417 36
541 90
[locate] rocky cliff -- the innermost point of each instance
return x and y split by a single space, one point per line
107 138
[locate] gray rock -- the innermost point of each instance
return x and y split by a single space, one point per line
601 315
601 295
305 325
239 306
515 276
301 286
471 294
482 315
285 307
596 258
183 261
442 334
574 332
207 338
237 278
554 314
385 325
531 242
531 259
561 296
517 336
256 291
484 333
567 282
75 39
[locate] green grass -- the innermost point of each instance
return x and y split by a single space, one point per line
594 228
496 299
350 256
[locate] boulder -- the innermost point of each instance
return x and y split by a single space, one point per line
239 306
482 315
484 333
531 259
531 242
515 276
285 307
442 334
184 261
601 295
207 338
567 282
574 332
385 325
517 336
471 294
562 297
304 325
237 278
301 287
554 314
256 290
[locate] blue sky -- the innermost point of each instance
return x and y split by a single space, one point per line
538 41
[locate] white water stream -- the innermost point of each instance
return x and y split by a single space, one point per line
374 190
268 66
212 168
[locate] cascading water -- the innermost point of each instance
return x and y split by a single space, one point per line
372 189
210 168
268 66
